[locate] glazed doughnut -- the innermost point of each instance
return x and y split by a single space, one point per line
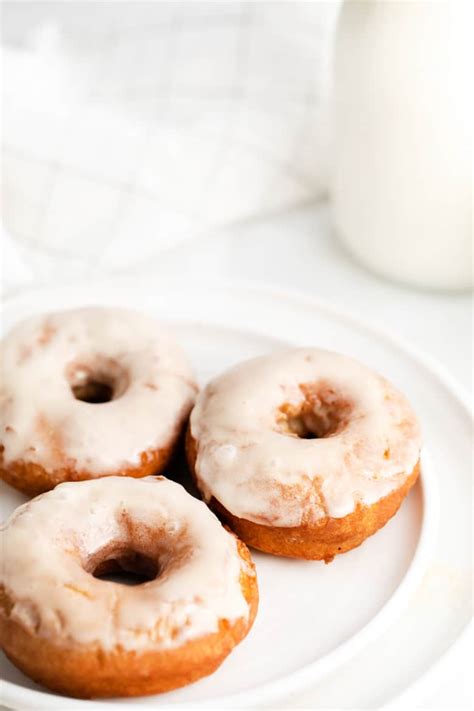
86 637
89 393
303 453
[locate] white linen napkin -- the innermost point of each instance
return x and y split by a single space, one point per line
129 127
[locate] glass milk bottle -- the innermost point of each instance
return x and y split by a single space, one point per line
401 188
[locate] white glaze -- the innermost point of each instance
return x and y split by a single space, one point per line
260 474
42 422
47 540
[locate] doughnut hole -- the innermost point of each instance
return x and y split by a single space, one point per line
128 567
128 559
97 379
138 553
322 412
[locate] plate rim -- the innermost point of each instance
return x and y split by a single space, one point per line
415 690
300 678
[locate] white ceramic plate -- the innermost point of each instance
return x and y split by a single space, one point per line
313 618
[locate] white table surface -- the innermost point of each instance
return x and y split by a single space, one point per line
297 251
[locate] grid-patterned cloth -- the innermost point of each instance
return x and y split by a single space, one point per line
131 126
